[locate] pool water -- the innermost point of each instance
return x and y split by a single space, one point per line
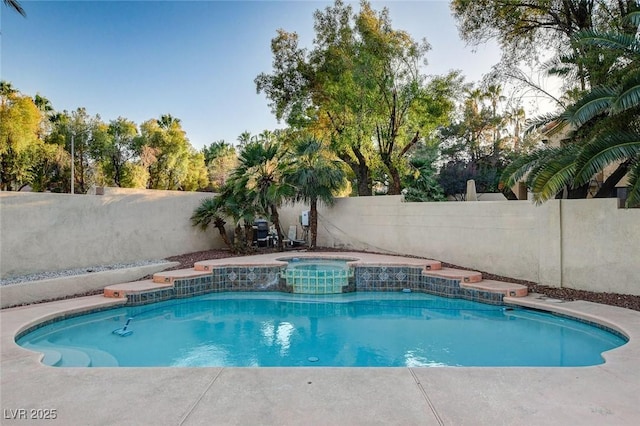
352 330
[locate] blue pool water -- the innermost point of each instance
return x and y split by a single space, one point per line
317 264
356 329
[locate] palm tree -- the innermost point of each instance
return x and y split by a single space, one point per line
493 93
606 118
473 100
244 138
261 171
516 117
15 5
210 211
167 121
316 177
43 104
229 204
7 91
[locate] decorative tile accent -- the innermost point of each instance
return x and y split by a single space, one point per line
364 278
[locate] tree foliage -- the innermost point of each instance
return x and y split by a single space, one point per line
360 88
36 141
260 178
220 159
423 185
171 161
525 28
316 176
486 135
607 125
19 127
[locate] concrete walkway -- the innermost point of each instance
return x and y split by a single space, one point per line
607 394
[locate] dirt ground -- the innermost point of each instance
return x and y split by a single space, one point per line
622 300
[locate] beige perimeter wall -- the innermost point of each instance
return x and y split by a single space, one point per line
582 244
49 232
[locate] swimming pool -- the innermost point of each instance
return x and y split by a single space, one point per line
356 329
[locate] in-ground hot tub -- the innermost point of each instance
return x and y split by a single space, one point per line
318 276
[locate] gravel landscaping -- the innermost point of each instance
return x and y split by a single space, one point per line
78 271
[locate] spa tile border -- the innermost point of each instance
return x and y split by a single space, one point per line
270 278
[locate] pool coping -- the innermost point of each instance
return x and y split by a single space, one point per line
599 394
371 272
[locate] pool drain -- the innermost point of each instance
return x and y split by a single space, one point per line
313 359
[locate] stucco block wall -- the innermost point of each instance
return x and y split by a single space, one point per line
600 246
581 244
465 233
49 232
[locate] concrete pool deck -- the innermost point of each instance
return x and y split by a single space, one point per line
607 394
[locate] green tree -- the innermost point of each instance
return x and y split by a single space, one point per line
525 29
220 159
361 82
404 108
480 143
244 138
211 211
422 185
82 131
530 30
20 122
165 151
196 176
607 128
312 91
115 150
261 172
315 176
217 149
230 204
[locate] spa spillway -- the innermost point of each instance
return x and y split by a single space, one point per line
318 276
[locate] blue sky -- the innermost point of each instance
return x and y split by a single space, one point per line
193 59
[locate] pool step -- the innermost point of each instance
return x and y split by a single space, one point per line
508 289
51 357
100 358
72 358
458 274
167 277
134 287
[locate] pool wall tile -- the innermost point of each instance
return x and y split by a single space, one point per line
275 278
